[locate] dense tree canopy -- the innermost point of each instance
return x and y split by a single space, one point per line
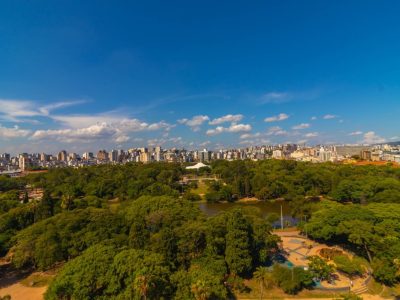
132 231
371 230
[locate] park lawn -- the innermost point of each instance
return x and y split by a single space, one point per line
201 190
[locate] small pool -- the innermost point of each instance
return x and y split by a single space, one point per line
317 283
288 264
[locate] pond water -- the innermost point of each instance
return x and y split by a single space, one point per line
265 207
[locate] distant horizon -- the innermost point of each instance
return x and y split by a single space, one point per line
212 75
200 149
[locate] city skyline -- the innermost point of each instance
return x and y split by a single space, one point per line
215 75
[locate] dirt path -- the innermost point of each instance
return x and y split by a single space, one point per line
18 291
11 283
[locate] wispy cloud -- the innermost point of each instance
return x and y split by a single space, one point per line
276 131
311 134
275 97
159 142
227 118
329 117
195 122
278 97
18 111
280 117
46 109
250 135
301 126
355 133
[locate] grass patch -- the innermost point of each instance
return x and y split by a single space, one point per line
201 190
36 280
375 288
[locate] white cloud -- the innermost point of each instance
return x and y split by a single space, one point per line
258 141
311 134
45 110
313 118
13 132
159 142
234 128
302 141
122 139
195 122
80 121
204 144
280 117
395 138
275 97
371 137
227 118
328 117
116 130
301 126
277 131
355 133
16 110
250 135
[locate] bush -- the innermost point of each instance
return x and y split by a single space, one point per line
330 253
213 197
191 196
292 281
351 267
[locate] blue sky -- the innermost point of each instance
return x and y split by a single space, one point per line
83 75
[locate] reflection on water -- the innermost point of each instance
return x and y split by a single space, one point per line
265 207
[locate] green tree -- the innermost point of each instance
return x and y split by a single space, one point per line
320 268
264 278
292 280
238 244
351 267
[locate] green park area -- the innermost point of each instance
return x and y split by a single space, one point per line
136 232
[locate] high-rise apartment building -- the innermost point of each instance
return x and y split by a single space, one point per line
113 155
44 157
23 161
158 154
102 155
5 156
87 155
62 155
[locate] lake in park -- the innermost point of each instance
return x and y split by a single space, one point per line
265 207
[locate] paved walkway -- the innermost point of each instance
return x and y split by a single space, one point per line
297 248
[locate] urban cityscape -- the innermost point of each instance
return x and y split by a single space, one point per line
318 154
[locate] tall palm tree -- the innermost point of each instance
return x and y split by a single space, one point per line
264 278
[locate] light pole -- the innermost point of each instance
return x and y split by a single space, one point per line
305 226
